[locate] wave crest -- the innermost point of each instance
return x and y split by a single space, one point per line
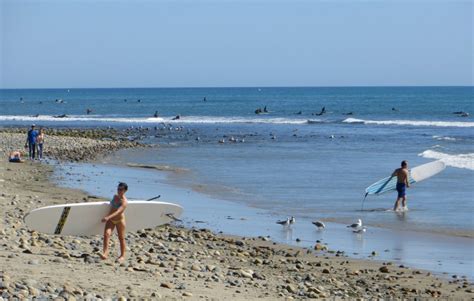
460 161
411 122
444 138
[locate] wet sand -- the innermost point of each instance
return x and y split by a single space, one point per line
172 262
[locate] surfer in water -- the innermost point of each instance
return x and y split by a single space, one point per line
402 183
116 219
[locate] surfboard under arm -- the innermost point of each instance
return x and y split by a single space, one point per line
385 185
417 174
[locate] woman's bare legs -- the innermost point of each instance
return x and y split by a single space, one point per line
109 228
121 236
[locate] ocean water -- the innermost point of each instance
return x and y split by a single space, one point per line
289 161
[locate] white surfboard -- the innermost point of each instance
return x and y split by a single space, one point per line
417 174
84 219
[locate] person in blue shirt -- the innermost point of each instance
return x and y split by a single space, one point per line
31 142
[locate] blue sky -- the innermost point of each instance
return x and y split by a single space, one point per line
73 44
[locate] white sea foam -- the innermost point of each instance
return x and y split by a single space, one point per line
460 161
80 118
135 120
444 138
412 122
209 119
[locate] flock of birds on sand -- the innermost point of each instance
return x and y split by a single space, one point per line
356 227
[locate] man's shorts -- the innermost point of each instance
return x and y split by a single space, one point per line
401 187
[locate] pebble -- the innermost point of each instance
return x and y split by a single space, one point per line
384 269
187 294
291 289
167 285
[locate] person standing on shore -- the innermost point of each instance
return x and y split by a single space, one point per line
39 143
116 219
31 142
402 183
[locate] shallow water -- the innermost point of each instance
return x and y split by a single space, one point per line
438 253
317 177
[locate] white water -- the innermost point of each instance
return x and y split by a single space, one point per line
412 122
460 161
181 120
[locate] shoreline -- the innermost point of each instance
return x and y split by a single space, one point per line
449 255
174 176
175 263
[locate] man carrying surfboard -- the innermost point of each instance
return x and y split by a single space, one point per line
402 183
116 219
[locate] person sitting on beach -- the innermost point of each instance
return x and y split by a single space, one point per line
116 219
402 183
39 143
31 142
15 157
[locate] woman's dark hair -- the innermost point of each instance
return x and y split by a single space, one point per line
123 185
404 163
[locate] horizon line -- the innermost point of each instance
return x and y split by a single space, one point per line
248 87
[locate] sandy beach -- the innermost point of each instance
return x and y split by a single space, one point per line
172 262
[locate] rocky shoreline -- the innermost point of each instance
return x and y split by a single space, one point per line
70 144
172 262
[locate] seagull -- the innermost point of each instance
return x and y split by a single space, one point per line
319 224
292 220
355 226
360 231
285 222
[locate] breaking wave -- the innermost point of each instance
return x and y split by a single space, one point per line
460 161
411 122
151 120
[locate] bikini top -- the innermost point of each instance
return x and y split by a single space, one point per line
114 205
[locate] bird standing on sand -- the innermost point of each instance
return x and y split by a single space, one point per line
285 222
319 224
357 225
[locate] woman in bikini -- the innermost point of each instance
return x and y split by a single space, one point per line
116 219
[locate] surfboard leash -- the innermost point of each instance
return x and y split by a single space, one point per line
362 207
